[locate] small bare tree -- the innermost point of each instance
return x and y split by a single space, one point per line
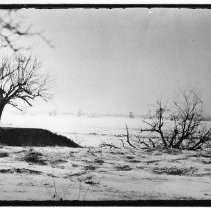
182 128
21 82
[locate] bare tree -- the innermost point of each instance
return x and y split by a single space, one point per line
21 82
181 128
13 29
189 130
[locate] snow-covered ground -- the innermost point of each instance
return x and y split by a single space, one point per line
93 173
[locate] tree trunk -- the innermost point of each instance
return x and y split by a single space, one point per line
163 139
2 102
1 110
177 145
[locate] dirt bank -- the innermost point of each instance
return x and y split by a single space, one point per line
33 137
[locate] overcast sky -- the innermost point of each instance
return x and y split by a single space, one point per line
121 60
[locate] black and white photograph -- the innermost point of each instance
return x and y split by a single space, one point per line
103 105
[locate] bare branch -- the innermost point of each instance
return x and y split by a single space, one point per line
12 30
103 144
128 137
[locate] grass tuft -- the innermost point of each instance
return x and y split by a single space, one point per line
32 156
174 170
4 154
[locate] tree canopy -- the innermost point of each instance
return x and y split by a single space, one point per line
21 82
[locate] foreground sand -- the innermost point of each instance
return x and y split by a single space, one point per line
103 174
